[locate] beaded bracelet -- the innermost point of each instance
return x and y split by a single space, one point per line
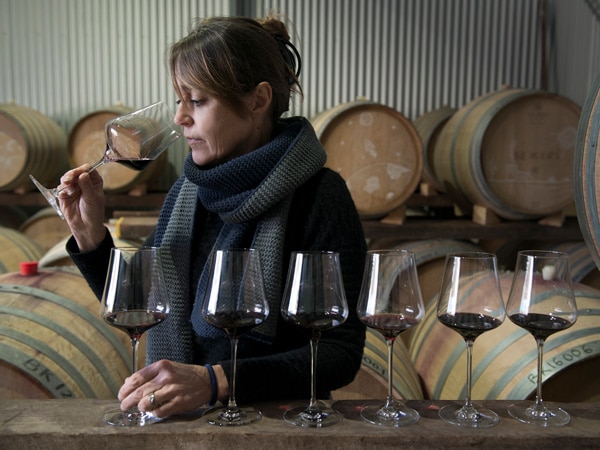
213 385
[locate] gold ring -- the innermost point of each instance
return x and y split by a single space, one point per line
152 400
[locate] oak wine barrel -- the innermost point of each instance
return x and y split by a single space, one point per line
510 151
30 143
53 342
586 171
376 150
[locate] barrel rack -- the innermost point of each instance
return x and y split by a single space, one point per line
445 225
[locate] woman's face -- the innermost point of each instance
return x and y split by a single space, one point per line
215 132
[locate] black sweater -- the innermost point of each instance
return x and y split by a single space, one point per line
322 217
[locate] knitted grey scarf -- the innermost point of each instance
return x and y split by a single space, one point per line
252 195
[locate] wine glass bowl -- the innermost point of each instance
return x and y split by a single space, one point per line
235 302
134 300
134 140
470 303
390 302
541 301
314 299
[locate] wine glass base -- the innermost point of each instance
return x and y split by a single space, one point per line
226 417
539 415
471 417
49 195
130 418
317 417
396 415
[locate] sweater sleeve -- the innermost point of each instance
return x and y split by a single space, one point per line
93 265
323 217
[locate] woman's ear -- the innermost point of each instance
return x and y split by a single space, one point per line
263 94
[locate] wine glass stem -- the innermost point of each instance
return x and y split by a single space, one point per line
540 363
390 347
469 343
232 405
134 347
97 164
91 169
314 342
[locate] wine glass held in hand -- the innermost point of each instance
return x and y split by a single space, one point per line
134 300
236 303
541 301
470 303
314 298
390 302
134 140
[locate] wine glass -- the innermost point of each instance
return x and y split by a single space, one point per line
470 303
235 302
134 140
134 300
314 298
542 301
390 302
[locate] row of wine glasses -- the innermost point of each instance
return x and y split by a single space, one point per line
541 300
135 300
470 302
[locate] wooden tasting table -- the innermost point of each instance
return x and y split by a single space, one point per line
78 424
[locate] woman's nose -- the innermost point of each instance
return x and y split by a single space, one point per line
181 117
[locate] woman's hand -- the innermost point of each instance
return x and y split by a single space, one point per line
82 203
177 388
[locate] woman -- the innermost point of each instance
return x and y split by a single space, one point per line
252 179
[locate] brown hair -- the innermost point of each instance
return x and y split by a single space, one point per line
227 57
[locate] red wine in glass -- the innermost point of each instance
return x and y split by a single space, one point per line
236 323
314 299
541 301
134 300
390 302
470 325
470 303
235 302
541 326
135 322
135 164
316 321
389 325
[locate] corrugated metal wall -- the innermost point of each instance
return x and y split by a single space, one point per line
413 55
67 58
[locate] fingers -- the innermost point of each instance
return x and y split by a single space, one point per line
166 388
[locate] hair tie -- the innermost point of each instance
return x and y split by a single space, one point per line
291 55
